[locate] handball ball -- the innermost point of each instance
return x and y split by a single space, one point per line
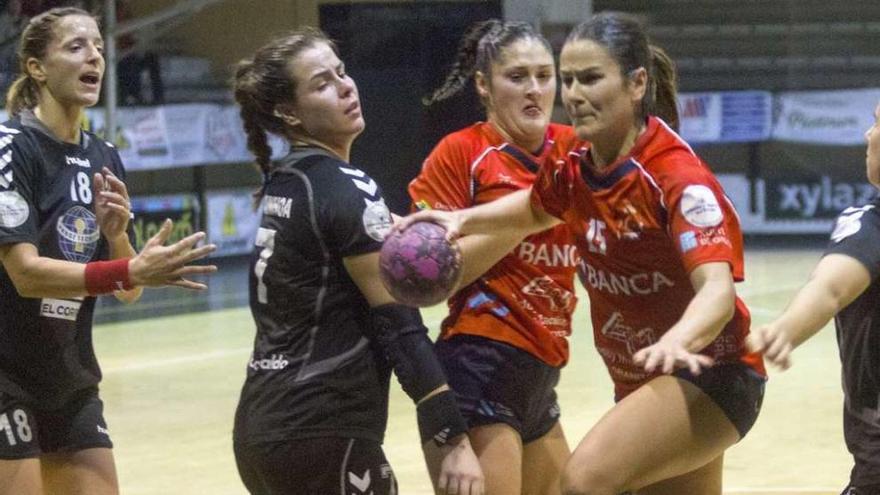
418 266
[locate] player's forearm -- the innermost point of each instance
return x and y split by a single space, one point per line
481 252
513 212
705 316
810 310
46 277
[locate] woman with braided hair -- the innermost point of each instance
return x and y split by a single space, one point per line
314 406
506 336
661 249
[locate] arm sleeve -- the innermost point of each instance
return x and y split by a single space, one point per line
701 219
18 186
857 234
444 182
351 211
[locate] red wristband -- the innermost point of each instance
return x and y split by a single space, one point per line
104 277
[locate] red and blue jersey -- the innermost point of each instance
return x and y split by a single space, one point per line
642 224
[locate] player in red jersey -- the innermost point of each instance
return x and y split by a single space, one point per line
661 251
505 338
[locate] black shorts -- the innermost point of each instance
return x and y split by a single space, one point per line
735 387
498 383
27 431
315 466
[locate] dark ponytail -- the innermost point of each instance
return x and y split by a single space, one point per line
479 48
625 39
664 88
264 82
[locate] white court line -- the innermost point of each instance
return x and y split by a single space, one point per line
191 358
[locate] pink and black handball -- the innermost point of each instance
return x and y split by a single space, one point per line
418 266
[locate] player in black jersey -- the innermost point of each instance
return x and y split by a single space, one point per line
845 285
314 406
63 209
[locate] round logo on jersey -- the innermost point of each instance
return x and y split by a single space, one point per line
377 220
78 234
14 209
700 206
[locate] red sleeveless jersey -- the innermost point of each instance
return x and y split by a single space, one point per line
641 225
527 298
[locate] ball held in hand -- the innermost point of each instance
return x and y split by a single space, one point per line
418 266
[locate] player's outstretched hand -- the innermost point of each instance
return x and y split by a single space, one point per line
459 470
158 265
450 220
773 342
112 204
669 355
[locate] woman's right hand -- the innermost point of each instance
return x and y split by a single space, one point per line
452 221
159 265
459 470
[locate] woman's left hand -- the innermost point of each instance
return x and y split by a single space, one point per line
112 205
670 354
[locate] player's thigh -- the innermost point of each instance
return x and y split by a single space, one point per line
83 472
19 448
500 451
666 428
543 461
706 480
20 477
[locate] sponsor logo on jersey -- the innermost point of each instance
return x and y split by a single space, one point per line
615 328
700 206
274 362
423 205
61 309
552 255
639 284
79 162
849 222
377 219
103 430
544 287
687 241
277 206
361 483
629 221
78 234
14 210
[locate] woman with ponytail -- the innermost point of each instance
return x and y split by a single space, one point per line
314 405
64 239
506 337
661 248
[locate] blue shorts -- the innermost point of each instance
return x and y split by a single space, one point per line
27 431
735 387
497 383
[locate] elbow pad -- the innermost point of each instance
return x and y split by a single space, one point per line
404 339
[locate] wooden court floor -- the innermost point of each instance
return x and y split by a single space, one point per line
171 385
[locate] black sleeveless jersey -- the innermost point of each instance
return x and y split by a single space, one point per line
857 235
46 199
313 371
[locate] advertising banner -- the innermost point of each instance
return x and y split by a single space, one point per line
232 222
